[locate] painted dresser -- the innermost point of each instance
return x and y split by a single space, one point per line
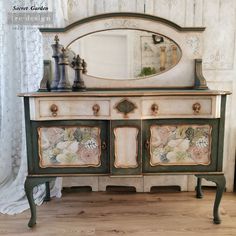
166 122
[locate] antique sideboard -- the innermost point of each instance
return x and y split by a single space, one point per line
164 120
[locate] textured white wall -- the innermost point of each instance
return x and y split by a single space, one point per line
218 16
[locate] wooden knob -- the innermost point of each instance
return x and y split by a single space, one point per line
54 109
154 109
96 109
196 108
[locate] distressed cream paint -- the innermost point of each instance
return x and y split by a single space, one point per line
218 16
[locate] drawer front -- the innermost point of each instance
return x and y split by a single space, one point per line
181 107
69 108
69 147
180 145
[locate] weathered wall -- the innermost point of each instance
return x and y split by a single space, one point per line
218 16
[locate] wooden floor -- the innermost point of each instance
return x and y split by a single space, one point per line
108 214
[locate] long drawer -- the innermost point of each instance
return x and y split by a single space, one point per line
60 108
181 107
119 108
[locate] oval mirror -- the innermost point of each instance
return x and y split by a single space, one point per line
126 54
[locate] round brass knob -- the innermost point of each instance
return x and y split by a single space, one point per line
54 109
96 109
154 109
196 108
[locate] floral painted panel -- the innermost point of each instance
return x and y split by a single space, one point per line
180 145
69 146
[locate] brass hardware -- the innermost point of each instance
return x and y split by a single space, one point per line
54 109
104 145
96 109
196 108
154 109
147 144
125 106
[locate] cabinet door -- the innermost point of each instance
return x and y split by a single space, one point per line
180 145
69 147
126 147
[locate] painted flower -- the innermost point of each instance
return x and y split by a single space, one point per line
181 132
71 146
91 144
56 151
88 156
176 150
45 144
69 134
189 133
202 142
50 136
199 155
66 157
179 144
158 152
160 135
158 155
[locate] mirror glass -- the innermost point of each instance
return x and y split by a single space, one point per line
126 54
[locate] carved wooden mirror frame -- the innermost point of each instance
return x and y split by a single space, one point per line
187 74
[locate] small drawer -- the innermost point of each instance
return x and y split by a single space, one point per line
181 107
69 108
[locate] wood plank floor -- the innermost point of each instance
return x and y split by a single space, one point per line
143 214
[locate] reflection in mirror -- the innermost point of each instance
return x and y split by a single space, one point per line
126 54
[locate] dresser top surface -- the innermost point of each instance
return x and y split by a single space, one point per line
127 93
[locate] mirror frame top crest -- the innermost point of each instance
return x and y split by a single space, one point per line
186 74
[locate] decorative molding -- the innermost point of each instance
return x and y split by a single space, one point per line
180 144
123 23
125 106
216 61
127 22
72 146
46 80
199 80
124 163
193 42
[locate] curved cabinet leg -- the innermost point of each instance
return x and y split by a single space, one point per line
30 183
220 184
199 193
47 197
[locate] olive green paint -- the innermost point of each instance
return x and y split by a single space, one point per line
221 134
34 157
125 171
123 14
220 182
147 168
30 183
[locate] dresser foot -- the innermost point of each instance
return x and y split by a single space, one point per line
199 193
30 183
220 182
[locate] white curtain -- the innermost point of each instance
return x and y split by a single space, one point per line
21 63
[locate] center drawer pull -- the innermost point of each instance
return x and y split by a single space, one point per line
154 109
96 109
196 108
54 109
